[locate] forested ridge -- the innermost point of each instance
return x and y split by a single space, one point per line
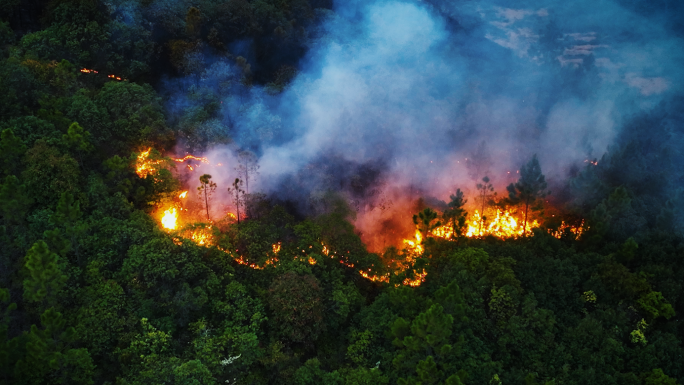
93 290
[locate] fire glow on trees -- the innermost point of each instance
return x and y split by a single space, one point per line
504 224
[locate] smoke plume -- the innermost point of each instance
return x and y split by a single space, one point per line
397 100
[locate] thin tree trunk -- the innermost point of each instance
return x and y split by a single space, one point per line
482 212
206 202
237 204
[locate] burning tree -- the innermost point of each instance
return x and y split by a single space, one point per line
529 189
206 189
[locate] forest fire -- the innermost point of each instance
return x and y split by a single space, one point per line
499 223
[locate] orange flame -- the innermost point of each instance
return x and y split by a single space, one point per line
183 194
144 165
188 157
415 246
503 225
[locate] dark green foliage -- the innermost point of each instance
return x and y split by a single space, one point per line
45 278
50 173
296 303
11 151
14 200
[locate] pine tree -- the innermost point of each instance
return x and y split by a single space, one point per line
424 221
456 214
206 189
485 192
247 166
529 189
67 216
48 354
238 196
45 277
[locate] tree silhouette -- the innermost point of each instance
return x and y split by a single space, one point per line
423 220
247 165
485 190
529 189
238 196
206 190
456 214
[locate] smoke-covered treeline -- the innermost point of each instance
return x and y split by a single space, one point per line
332 131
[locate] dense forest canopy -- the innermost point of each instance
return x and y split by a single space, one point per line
341 192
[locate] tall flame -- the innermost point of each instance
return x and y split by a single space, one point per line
170 219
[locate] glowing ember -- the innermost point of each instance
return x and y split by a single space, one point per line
183 194
311 261
170 218
276 247
88 71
